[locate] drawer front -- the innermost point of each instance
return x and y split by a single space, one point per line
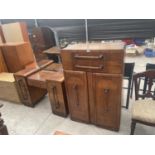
94 61
58 99
77 94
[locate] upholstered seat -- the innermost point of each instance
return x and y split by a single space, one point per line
144 110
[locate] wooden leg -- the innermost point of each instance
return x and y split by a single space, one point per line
133 125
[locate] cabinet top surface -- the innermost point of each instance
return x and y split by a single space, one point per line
96 46
47 75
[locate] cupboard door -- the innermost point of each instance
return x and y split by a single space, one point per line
57 96
77 93
107 97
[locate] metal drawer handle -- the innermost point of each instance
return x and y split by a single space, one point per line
89 67
88 57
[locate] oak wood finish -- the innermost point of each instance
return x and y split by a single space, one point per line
93 82
77 94
3 67
30 95
106 61
13 55
2 39
54 83
107 99
54 67
57 95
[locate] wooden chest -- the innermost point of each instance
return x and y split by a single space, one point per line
93 83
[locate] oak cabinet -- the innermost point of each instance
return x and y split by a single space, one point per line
93 83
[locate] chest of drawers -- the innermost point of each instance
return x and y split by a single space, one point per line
93 83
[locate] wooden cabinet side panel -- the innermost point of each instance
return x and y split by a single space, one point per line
3 67
29 95
11 58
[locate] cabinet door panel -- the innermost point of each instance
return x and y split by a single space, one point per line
57 97
77 93
107 94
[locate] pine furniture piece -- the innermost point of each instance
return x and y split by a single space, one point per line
143 109
93 82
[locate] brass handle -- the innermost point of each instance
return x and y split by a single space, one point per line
88 57
57 105
75 87
89 67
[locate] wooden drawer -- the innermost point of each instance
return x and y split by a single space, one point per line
94 61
